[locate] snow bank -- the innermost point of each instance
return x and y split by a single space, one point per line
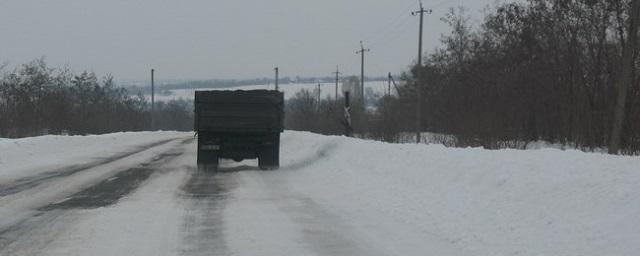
28 156
452 201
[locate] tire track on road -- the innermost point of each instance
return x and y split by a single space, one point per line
26 183
30 233
206 194
322 231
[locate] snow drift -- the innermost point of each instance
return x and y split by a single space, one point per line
473 201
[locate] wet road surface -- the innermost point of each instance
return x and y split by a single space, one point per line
206 194
25 183
167 206
112 189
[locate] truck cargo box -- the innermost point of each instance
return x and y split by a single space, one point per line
239 125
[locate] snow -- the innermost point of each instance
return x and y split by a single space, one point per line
33 155
151 217
478 202
327 90
39 160
342 196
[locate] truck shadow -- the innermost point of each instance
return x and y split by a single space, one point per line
230 166
205 195
239 168
226 169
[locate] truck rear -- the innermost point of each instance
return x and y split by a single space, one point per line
239 125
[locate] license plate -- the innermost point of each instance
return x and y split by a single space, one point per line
210 147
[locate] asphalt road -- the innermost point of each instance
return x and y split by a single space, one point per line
164 205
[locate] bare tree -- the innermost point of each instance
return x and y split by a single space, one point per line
626 78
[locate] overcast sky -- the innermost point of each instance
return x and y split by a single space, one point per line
198 39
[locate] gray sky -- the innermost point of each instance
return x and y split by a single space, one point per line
197 39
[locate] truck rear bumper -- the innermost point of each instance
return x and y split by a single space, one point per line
236 146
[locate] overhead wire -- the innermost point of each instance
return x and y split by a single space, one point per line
398 29
389 27
389 33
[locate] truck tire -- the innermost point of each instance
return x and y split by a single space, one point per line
269 157
208 161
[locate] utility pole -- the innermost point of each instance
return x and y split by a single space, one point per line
153 124
422 11
318 96
337 81
276 78
394 84
361 52
389 85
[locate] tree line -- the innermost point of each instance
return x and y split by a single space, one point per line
36 99
536 70
540 70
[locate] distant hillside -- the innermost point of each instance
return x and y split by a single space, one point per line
135 87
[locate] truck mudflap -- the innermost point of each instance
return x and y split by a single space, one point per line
269 154
208 152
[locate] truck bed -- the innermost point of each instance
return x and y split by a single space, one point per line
239 111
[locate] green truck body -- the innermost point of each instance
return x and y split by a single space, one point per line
239 125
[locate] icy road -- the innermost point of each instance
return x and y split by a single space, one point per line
141 194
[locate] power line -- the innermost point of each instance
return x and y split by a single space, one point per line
389 32
400 20
348 63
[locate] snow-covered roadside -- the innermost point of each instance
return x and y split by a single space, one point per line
414 199
29 156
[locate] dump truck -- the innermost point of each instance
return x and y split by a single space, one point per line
238 125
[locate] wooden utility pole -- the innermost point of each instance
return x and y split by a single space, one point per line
361 52
394 84
389 85
276 78
153 112
337 81
422 11
319 96
626 78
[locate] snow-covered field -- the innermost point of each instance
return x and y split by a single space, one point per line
332 196
327 90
